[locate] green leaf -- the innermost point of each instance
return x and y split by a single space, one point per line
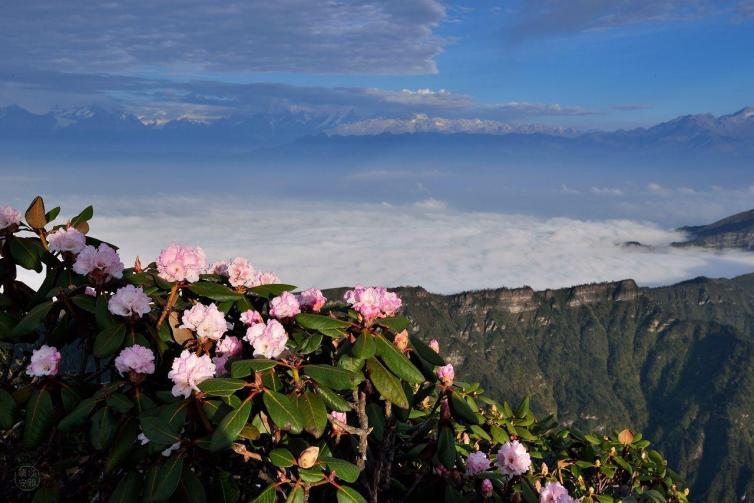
32 320
334 377
119 402
128 489
282 412
103 428
344 470
313 412
320 322
78 415
26 252
124 442
270 291
425 352
7 410
266 496
226 489
395 323
397 362
85 302
282 458
523 408
214 291
221 386
35 214
365 346
349 495
85 215
446 446
229 428
166 479
312 475
296 495
243 368
310 344
333 400
158 430
52 214
191 488
109 340
39 418
461 409
387 384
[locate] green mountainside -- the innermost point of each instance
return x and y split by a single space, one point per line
736 231
676 363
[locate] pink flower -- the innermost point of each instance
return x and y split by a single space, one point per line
189 371
102 261
434 345
220 362
284 306
206 321
9 216
339 416
512 459
267 339
477 462
229 345
181 263
220 268
266 278
135 358
553 492
241 273
372 302
250 317
401 341
91 292
446 374
311 300
44 362
66 239
486 488
129 301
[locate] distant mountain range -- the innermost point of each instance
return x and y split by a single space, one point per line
97 130
676 363
736 231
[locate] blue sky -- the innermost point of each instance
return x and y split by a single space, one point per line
583 63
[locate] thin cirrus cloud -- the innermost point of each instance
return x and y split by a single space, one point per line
367 36
427 243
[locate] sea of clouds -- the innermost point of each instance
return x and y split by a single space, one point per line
425 243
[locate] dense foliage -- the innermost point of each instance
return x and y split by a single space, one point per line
185 381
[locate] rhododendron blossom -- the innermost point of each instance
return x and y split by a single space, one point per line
487 488
190 370
372 302
241 273
45 361
512 458
477 462
229 345
181 263
101 262
135 358
66 239
554 492
268 339
446 374
266 278
220 268
311 300
129 301
9 216
206 321
251 317
284 306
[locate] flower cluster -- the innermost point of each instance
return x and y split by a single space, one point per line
9 216
102 263
477 462
512 458
373 302
206 321
554 492
240 273
129 301
66 239
251 317
268 339
136 359
44 362
181 263
227 348
284 306
446 374
190 370
311 300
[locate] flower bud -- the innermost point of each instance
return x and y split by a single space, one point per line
401 341
308 457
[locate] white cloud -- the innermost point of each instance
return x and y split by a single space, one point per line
606 191
431 204
330 245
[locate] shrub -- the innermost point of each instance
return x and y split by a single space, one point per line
185 381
